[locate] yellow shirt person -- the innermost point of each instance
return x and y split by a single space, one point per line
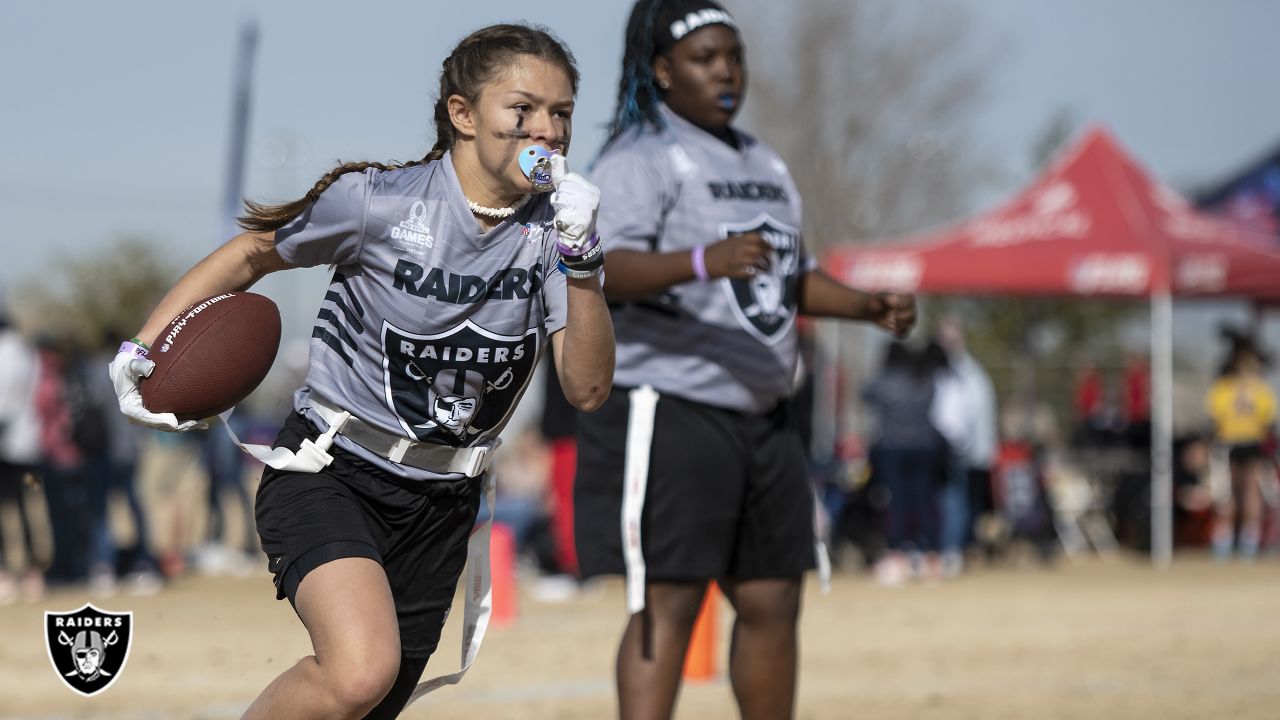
1242 408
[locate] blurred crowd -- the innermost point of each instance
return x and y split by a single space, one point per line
941 477
944 476
73 511
934 463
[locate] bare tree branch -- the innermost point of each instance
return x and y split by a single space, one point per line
870 101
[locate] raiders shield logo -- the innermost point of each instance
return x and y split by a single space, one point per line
765 303
88 647
454 387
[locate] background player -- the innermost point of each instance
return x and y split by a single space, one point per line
706 260
444 294
1243 410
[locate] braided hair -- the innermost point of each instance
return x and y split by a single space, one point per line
655 26
472 64
638 96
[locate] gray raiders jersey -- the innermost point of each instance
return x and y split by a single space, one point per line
728 343
431 328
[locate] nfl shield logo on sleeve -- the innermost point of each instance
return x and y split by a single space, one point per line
88 647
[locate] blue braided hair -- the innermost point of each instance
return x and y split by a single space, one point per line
638 89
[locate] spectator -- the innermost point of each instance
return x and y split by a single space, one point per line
112 468
906 455
980 454
1193 496
951 416
71 515
1136 402
1243 410
19 455
1099 419
224 465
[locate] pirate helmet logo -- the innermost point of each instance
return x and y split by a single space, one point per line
452 408
88 647
767 289
765 303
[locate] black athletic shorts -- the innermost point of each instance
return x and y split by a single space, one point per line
417 531
727 494
1244 452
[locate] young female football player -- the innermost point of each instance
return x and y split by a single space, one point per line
450 277
696 453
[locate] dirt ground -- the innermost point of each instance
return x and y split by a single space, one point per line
1084 640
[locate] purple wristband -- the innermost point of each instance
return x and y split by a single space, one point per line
571 252
700 263
132 348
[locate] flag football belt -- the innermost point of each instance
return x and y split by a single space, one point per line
312 456
469 461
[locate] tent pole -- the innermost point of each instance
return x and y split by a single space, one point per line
1162 429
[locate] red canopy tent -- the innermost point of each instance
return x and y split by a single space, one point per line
1093 224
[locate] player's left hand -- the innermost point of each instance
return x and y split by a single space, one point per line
895 312
576 202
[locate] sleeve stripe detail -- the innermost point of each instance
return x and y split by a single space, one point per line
332 318
341 304
355 303
334 344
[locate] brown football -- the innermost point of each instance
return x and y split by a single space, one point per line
212 355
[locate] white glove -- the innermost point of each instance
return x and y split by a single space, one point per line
127 369
576 202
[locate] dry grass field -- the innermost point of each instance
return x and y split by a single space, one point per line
1084 640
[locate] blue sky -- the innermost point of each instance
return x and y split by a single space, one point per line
115 115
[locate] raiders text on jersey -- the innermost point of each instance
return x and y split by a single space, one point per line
754 191
508 284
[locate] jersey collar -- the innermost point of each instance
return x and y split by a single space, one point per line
462 212
687 130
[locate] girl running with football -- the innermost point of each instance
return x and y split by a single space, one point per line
451 274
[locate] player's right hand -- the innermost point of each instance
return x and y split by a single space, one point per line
577 203
739 256
127 369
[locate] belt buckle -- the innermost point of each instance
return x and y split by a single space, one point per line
399 448
476 457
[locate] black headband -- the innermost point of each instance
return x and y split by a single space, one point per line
678 18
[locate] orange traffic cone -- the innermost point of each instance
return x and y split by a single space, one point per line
502 569
700 658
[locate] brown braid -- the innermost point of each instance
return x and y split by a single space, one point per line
471 65
265 218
